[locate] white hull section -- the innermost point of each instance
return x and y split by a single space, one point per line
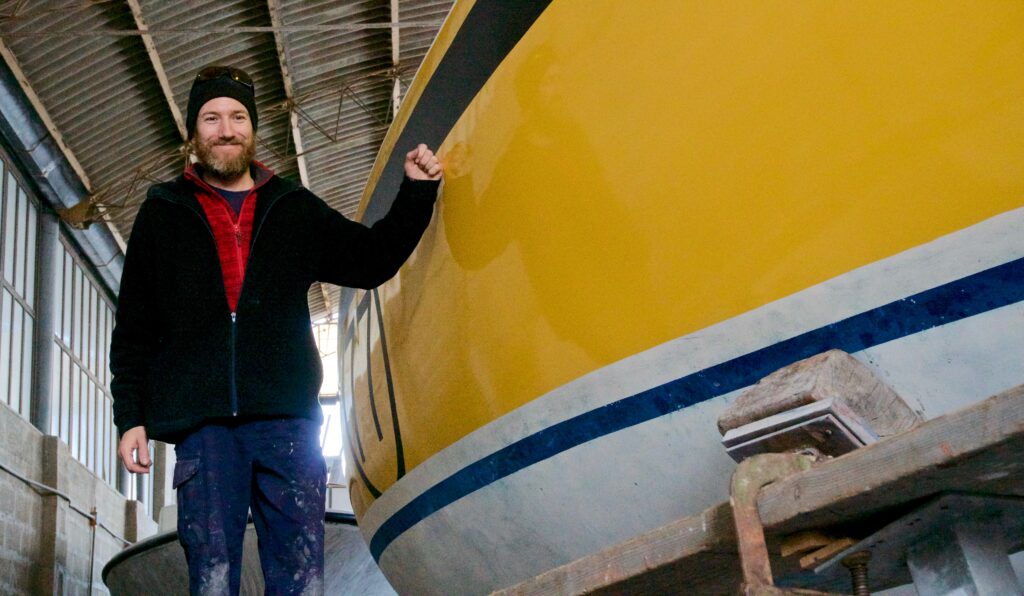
617 484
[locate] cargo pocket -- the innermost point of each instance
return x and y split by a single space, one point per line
188 482
184 470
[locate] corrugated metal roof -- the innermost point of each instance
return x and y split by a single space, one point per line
92 73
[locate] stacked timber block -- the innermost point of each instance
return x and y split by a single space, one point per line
829 404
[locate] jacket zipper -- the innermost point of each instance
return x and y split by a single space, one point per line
233 382
241 292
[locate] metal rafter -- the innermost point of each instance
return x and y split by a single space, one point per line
33 98
158 67
289 88
51 127
327 302
204 31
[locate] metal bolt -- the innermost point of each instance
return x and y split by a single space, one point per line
857 563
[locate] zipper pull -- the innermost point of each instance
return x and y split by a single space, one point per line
238 236
233 317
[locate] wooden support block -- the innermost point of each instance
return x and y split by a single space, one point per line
802 543
978 449
812 560
831 375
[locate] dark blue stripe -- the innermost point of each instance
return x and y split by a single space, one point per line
399 450
976 294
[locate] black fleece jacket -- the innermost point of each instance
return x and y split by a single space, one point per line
178 355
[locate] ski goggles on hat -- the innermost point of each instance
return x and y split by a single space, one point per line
228 72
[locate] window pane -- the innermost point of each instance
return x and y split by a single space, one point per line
94 332
20 262
105 347
17 329
84 422
30 257
65 398
99 439
90 426
66 295
95 438
6 335
108 322
83 414
101 332
76 329
104 437
10 210
76 412
115 468
55 391
26 366
89 326
110 334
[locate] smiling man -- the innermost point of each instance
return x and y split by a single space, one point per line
212 348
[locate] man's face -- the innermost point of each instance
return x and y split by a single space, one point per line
224 141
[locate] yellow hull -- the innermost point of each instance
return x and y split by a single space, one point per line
636 172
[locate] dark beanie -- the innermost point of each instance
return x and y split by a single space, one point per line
225 82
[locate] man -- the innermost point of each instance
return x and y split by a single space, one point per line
212 348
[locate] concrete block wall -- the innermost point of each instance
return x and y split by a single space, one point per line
48 546
20 506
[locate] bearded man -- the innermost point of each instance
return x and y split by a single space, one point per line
212 348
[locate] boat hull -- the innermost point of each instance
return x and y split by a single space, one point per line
647 210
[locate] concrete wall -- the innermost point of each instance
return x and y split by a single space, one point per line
47 547
21 449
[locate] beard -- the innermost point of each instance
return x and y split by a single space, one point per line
228 168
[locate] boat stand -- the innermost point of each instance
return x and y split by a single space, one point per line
939 505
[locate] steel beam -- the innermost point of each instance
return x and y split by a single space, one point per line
158 67
273 6
51 127
204 31
327 302
44 116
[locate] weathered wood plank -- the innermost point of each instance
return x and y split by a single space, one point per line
978 449
699 549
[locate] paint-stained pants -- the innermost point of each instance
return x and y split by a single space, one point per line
276 469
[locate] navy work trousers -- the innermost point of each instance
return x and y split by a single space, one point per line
276 469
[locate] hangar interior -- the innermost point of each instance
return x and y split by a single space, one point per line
93 101
714 290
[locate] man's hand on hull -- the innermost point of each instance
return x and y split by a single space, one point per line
134 450
422 164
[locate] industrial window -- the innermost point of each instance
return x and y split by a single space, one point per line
81 407
18 226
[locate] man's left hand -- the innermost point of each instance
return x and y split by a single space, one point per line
422 164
